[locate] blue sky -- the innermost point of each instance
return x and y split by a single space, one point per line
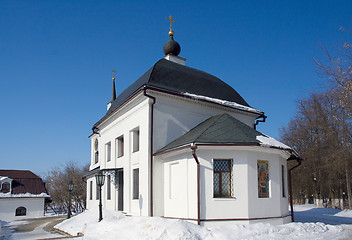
56 59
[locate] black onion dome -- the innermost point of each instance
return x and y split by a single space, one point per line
172 47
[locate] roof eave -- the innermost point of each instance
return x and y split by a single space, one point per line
293 154
95 126
146 87
188 145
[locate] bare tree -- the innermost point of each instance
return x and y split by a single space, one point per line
338 70
57 184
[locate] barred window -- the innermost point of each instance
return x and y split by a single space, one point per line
222 178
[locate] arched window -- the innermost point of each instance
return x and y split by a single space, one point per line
5 187
21 211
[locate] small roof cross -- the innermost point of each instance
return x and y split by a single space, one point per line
171 33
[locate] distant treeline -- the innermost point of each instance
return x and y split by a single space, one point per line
321 133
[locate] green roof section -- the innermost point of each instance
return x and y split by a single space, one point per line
219 129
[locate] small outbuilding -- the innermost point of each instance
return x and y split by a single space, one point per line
22 195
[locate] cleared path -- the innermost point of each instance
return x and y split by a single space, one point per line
34 228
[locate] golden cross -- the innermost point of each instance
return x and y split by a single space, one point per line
171 20
171 33
113 74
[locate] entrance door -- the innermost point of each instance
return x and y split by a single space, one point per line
120 191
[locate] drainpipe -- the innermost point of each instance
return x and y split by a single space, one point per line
151 148
299 162
194 147
96 131
258 120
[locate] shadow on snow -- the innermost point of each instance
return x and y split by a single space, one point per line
323 215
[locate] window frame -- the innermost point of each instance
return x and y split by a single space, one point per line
263 175
21 211
221 186
7 188
283 185
120 145
108 187
108 152
96 151
96 157
135 140
97 194
90 190
135 184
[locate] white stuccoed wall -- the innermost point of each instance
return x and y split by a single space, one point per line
174 116
8 206
134 114
182 202
179 188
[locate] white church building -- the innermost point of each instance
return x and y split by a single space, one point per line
181 143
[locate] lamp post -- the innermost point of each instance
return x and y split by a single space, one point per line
100 178
70 188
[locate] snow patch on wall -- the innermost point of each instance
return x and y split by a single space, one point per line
223 102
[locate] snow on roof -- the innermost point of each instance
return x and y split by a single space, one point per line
23 195
224 102
267 141
24 181
4 178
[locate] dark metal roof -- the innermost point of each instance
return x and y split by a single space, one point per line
220 129
176 78
24 181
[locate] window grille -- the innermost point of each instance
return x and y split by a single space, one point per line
222 178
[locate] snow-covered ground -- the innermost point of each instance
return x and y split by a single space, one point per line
117 226
312 223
